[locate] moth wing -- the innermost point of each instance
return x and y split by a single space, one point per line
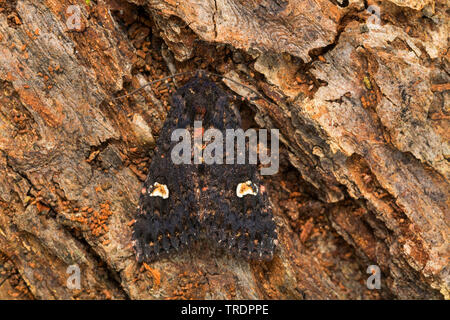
166 219
238 220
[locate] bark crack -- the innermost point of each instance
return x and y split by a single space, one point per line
214 19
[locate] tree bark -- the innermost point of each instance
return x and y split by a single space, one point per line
360 99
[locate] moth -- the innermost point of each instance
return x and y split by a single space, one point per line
182 203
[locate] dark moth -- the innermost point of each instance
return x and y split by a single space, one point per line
180 203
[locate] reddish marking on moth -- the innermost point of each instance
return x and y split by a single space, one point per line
198 132
262 188
201 110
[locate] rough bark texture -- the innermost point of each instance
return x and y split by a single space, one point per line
363 113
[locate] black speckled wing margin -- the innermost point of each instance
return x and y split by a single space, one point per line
167 224
227 202
243 225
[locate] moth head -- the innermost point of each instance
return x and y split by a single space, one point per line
159 190
246 188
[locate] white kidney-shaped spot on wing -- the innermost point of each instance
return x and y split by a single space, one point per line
159 190
245 188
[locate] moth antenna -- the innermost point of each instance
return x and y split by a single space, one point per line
152 82
146 85
199 72
240 84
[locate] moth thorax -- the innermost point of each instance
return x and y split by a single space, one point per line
246 188
159 190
